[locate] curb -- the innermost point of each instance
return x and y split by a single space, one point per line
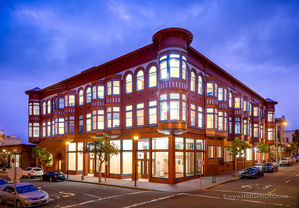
112 185
220 183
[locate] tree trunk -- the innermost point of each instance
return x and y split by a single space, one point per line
235 166
105 171
100 174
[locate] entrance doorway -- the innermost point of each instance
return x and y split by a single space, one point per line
143 164
91 163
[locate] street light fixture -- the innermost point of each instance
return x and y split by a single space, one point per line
135 138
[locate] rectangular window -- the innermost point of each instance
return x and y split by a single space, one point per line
53 128
219 152
225 95
71 100
210 89
256 131
237 126
36 109
72 161
220 94
210 118
174 106
192 115
143 144
220 121
160 143
129 112
270 116
160 164
61 103
109 88
199 118
94 92
200 144
114 164
255 111
109 117
248 154
127 163
237 103
211 152
163 70
116 87
88 122
140 114
230 100
270 134
163 110
60 126
244 105
184 111
190 169
116 117
152 112
189 144
230 125
225 121
245 127
71 124
35 130
228 157
30 109
179 164
101 92
81 124
179 143
44 129
262 131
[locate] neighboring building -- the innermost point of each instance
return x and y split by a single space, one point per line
9 140
182 106
289 136
22 153
280 130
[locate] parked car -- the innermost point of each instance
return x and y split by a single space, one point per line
270 167
252 172
285 162
53 176
293 159
27 195
33 172
3 183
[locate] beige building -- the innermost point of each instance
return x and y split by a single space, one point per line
9 140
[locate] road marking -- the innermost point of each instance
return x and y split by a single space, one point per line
92 195
232 199
245 192
100 199
266 187
287 181
153 200
272 191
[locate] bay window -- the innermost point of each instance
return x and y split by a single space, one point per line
210 89
140 80
199 83
48 128
88 122
244 105
237 126
81 98
163 69
192 114
210 118
271 116
140 114
152 77
220 94
61 103
184 68
174 105
237 102
71 100
88 95
245 127
116 88
270 134
113 117
60 126
255 111
94 92
129 117
174 66
152 112
163 107
109 91
230 125
33 130
184 108
225 95
225 121
220 121
81 124
216 90
256 131
101 92
199 117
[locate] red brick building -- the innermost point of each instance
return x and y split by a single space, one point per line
182 106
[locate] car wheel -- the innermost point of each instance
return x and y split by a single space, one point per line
18 204
51 179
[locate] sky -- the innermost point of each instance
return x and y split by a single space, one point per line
43 42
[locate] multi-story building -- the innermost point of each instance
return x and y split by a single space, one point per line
9 140
183 107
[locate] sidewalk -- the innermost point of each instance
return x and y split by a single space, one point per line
186 186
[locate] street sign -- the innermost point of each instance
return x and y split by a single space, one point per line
19 173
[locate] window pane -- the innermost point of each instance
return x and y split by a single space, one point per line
115 164
127 144
160 143
179 143
190 164
143 144
189 144
160 164
140 80
116 87
153 77
210 89
179 164
72 161
174 65
199 144
163 70
174 110
127 163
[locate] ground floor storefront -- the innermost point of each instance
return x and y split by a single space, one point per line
154 157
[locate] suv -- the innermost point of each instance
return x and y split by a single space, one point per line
285 162
33 172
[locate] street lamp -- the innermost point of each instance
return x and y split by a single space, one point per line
67 160
135 138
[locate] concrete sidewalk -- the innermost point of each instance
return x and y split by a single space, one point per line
186 186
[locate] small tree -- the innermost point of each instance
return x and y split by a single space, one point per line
237 146
103 149
263 148
42 155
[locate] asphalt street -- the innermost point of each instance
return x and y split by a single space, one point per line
279 189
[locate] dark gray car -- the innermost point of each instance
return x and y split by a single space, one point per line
270 167
27 195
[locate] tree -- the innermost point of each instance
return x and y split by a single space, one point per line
103 149
296 139
43 156
237 147
263 148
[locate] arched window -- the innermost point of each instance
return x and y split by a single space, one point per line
88 95
199 85
192 82
129 83
152 77
49 106
140 80
81 98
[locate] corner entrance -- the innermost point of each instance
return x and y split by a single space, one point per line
143 164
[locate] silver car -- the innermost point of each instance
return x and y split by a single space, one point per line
27 195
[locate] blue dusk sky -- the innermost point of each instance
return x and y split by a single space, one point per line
43 42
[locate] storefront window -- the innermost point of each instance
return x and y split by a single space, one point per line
114 167
199 167
199 144
179 164
80 161
160 143
160 164
127 163
143 144
127 144
179 143
72 161
189 144
189 163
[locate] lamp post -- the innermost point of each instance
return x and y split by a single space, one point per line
67 160
135 138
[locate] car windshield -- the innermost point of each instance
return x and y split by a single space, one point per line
268 164
2 182
37 169
26 189
248 170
